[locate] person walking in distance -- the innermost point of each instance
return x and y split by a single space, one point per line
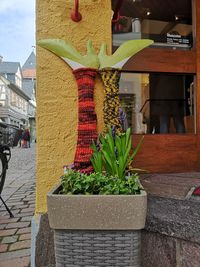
26 139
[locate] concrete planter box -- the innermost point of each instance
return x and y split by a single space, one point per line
97 230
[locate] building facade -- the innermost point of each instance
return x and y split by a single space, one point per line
29 87
18 104
14 104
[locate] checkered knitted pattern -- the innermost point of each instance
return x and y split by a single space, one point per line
87 122
110 78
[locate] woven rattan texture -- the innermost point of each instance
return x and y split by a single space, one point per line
97 248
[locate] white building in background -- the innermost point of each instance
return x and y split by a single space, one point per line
29 87
17 93
13 103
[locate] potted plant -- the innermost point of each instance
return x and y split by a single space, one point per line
97 217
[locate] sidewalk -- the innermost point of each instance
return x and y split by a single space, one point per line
19 194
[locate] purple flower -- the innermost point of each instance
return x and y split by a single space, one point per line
113 132
68 167
123 119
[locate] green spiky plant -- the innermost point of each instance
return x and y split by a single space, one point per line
113 156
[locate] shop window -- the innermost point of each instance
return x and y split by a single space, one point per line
158 103
168 23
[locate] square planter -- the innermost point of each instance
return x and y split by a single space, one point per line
97 230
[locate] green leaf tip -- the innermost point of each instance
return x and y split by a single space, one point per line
122 54
66 50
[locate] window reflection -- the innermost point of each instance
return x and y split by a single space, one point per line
158 103
168 23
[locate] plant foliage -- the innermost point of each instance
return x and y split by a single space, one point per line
111 159
74 182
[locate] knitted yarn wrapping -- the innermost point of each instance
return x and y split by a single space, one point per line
87 121
110 78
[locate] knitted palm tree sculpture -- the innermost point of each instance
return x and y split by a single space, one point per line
110 73
84 70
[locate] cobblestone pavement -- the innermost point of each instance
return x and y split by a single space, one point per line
19 194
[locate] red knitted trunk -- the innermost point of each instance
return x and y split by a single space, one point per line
87 122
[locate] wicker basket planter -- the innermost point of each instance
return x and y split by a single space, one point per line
96 231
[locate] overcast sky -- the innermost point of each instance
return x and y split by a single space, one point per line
17 29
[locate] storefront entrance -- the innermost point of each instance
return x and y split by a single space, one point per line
159 87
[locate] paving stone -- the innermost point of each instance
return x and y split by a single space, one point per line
21 262
2 226
22 191
21 206
24 230
26 214
15 212
25 237
9 239
3 248
28 210
15 254
171 185
4 217
9 232
32 202
26 219
20 245
12 203
2 208
8 220
16 198
32 206
17 225
19 194
189 254
29 198
4 212
158 250
27 188
30 191
174 217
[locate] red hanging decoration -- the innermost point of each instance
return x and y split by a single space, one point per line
75 14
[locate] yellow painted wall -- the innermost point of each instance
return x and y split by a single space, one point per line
56 87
